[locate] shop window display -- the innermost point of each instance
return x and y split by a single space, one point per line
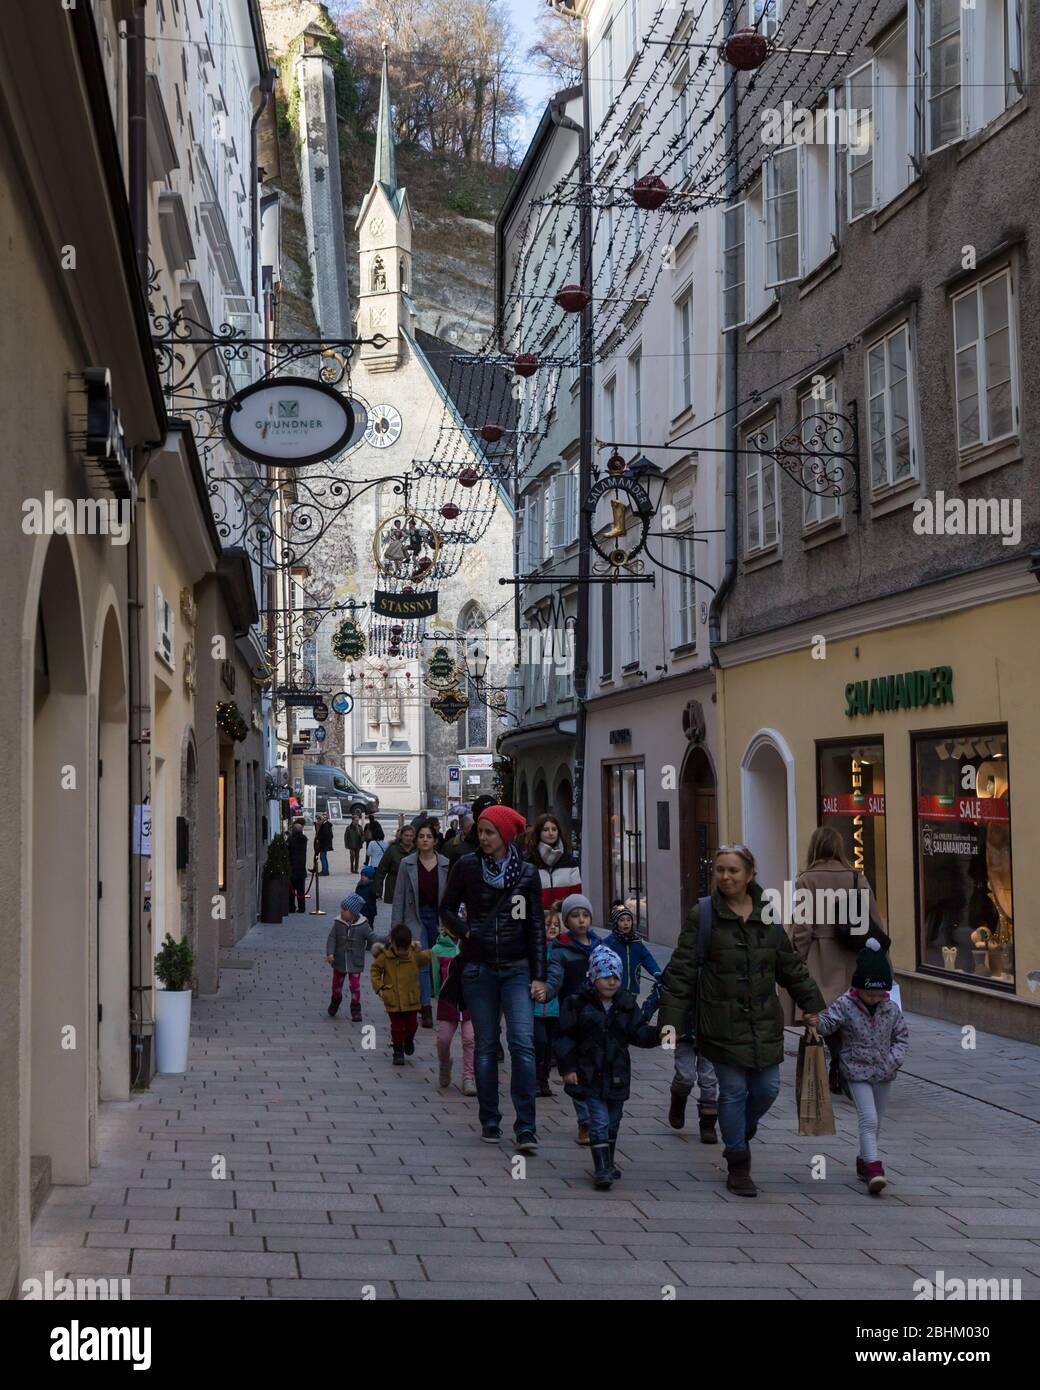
851 785
963 855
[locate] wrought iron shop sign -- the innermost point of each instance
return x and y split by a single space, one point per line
414 605
289 421
290 696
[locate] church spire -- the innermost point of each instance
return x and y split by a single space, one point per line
386 166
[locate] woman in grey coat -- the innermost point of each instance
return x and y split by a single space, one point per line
421 880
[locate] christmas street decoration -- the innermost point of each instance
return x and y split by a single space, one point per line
440 668
348 641
231 722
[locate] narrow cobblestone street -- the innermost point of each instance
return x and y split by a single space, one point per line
343 1172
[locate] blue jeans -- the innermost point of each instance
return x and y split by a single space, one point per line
604 1119
488 994
429 918
323 855
744 1095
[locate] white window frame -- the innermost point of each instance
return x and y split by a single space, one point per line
608 61
683 384
818 509
772 13
684 613
981 368
636 213
858 162
681 121
635 394
735 217
930 48
573 503
882 344
818 199
632 652
633 30
610 409
771 200
560 490
894 167
754 470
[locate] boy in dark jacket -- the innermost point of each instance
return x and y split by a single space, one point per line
634 952
366 889
567 975
598 1025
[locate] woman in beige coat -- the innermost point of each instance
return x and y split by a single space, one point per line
829 961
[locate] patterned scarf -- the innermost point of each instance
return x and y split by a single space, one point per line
502 873
551 854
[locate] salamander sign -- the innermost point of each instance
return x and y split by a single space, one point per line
905 690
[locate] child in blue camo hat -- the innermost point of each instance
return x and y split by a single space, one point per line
598 1025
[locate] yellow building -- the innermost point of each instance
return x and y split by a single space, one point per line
918 740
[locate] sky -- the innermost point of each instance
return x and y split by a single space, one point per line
535 87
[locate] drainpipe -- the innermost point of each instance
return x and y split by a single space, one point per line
266 88
137 138
730 572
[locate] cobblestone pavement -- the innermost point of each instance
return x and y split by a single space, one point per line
345 1172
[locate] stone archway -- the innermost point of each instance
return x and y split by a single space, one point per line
540 795
62 992
522 799
767 802
563 797
698 828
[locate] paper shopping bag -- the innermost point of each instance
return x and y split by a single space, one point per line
815 1115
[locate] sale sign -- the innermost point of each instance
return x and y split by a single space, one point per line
854 804
978 810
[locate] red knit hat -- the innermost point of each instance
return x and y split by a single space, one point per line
507 822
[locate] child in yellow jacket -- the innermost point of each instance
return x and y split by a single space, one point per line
395 978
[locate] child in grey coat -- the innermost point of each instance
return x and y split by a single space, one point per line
874 1041
349 937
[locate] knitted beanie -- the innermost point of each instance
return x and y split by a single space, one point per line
507 822
620 910
354 903
368 871
572 901
603 962
873 968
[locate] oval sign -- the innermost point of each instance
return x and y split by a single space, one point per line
342 703
320 712
289 420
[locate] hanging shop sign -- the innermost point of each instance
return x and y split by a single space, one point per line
386 605
321 713
906 690
289 421
450 706
405 545
614 544
304 698
348 641
477 762
342 703
440 667
319 735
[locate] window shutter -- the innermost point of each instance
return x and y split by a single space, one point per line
915 81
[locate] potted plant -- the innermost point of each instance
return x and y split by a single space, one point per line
275 887
174 967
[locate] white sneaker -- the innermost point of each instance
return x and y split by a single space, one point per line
469 1086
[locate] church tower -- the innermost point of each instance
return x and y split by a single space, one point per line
384 231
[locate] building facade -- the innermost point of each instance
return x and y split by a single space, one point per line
878 652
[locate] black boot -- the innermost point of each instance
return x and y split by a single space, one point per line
615 1171
677 1109
398 1054
601 1178
738 1179
706 1118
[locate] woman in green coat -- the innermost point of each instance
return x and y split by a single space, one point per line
736 1014
386 872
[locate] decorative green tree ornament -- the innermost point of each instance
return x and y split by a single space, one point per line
348 641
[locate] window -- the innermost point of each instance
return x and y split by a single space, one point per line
962 829
850 778
606 664
762 529
734 266
683 352
818 507
859 110
560 486
759 298
473 726
608 63
985 360
635 387
684 617
943 47
625 858
765 15
894 141
818 195
783 261
572 350
890 410
635 213
633 29
610 409
683 135
531 555
609 249
631 649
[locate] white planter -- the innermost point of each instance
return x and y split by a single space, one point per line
172 1029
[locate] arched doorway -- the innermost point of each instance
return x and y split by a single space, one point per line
563 798
63 989
698 828
113 936
768 806
521 799
541 795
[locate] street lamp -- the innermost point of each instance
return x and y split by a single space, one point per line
476 661
644 472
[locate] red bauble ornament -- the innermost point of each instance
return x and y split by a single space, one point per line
469 477
451 511
616 464
421 566
572 298
746 49
525 364
491 431
649 192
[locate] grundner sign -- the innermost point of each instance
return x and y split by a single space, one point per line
289 421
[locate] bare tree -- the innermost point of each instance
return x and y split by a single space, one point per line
558 49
